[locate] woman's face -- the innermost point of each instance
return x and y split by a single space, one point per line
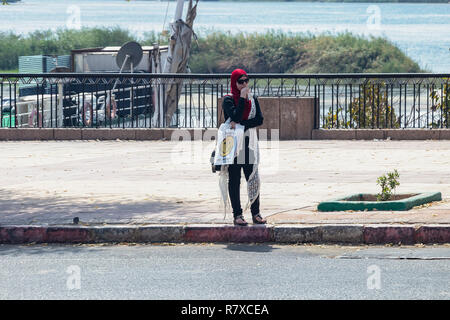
240 86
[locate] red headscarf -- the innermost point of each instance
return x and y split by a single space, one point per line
235 75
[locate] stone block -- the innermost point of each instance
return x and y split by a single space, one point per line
27 134
67 134
333 134
444 134
433 234
296 234
94 134
370 134
22 234
296 118
160 233
5 134
123 134
412 134
182 134
149 134
384 234
74 234
270 109
113 234
227 234
342 233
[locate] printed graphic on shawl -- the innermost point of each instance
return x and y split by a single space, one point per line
253 109
253 186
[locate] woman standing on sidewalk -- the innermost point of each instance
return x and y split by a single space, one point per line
243 108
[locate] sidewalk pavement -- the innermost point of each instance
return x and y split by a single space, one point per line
161 191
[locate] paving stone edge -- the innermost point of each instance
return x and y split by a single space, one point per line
348 234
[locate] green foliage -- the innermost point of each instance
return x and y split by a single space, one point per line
280 52
347 53
440 99
274 51
60 42
388 185
370 109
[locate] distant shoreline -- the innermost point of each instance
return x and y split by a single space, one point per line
338 1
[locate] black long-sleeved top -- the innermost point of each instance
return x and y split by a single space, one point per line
236 112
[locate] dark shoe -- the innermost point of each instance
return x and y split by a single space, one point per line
239 221
257 219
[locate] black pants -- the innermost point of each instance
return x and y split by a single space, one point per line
234 183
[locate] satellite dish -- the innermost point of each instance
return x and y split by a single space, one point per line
129 56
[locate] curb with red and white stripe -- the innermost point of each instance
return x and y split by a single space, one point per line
350 234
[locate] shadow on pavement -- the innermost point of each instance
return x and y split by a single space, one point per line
22 209
250 247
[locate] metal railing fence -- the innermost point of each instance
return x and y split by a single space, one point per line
96 100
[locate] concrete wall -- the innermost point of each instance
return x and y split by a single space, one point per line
86 134
210 134
21 134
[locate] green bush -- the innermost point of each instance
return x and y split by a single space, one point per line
60 42
440 98
280 52
347 53
370 110
273 51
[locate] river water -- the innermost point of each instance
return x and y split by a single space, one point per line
422 31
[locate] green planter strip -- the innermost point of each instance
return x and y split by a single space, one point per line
343 204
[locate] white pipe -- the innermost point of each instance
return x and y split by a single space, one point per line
167 64
179 10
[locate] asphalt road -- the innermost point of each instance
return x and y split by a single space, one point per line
218 271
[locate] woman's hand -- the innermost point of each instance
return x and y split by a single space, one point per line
233 125
244 92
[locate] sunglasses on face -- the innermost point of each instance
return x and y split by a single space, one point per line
241 81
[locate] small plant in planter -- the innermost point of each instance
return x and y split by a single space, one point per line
388 183
386 200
